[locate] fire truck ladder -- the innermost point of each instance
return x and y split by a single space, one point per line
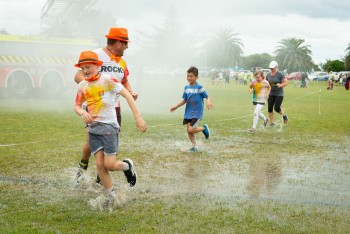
61 11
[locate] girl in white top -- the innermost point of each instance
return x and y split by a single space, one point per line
260 88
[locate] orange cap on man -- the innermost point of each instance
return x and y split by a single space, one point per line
120 34
88 57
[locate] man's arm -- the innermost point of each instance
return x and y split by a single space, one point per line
127 86
79 76
140 123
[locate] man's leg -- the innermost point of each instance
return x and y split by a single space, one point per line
86 153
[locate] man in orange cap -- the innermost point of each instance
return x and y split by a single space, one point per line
99 91
115 65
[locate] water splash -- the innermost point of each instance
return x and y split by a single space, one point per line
104 203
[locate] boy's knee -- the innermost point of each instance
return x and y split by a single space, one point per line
100 164
190 129
109 165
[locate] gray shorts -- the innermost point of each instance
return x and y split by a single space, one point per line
104 137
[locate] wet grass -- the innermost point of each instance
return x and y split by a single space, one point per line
290 179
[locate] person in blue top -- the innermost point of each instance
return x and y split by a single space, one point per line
193 96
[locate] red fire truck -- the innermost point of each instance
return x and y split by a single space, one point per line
39 65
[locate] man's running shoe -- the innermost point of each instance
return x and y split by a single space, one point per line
98 180
131 173
79 174
193 149
265 122
206 131
285 118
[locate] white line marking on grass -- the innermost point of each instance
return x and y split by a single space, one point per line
35 142
161 125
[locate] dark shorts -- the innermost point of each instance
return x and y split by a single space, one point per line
193 122
274 102
104 137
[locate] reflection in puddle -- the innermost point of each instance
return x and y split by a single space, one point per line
265 175
304 178
321 177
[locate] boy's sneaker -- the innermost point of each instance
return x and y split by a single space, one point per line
272 125
252 130
285 118
206 131
265 122
109 202
131 173
193 149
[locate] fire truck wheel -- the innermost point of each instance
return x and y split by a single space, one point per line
19 84
52 85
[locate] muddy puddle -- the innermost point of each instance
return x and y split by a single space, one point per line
318 178
297 178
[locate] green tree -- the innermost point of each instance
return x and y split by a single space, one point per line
293 55
333 65
224 49
257 60
347 58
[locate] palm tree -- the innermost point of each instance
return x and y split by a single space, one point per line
347 58
293 55
225 48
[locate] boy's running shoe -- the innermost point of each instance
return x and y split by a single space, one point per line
131 173
109 202
265 122
285 118
272 125
206 131
193 149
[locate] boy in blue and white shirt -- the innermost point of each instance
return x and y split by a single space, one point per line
193 96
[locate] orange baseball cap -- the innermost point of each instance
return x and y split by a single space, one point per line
88 57
120 34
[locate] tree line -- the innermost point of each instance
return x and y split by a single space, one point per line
171 45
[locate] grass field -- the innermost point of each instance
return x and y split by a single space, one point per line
293 178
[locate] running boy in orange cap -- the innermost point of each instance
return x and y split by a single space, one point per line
113 64
99 91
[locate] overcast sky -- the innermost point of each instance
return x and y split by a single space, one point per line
325 25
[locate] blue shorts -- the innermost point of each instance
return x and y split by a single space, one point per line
106 138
